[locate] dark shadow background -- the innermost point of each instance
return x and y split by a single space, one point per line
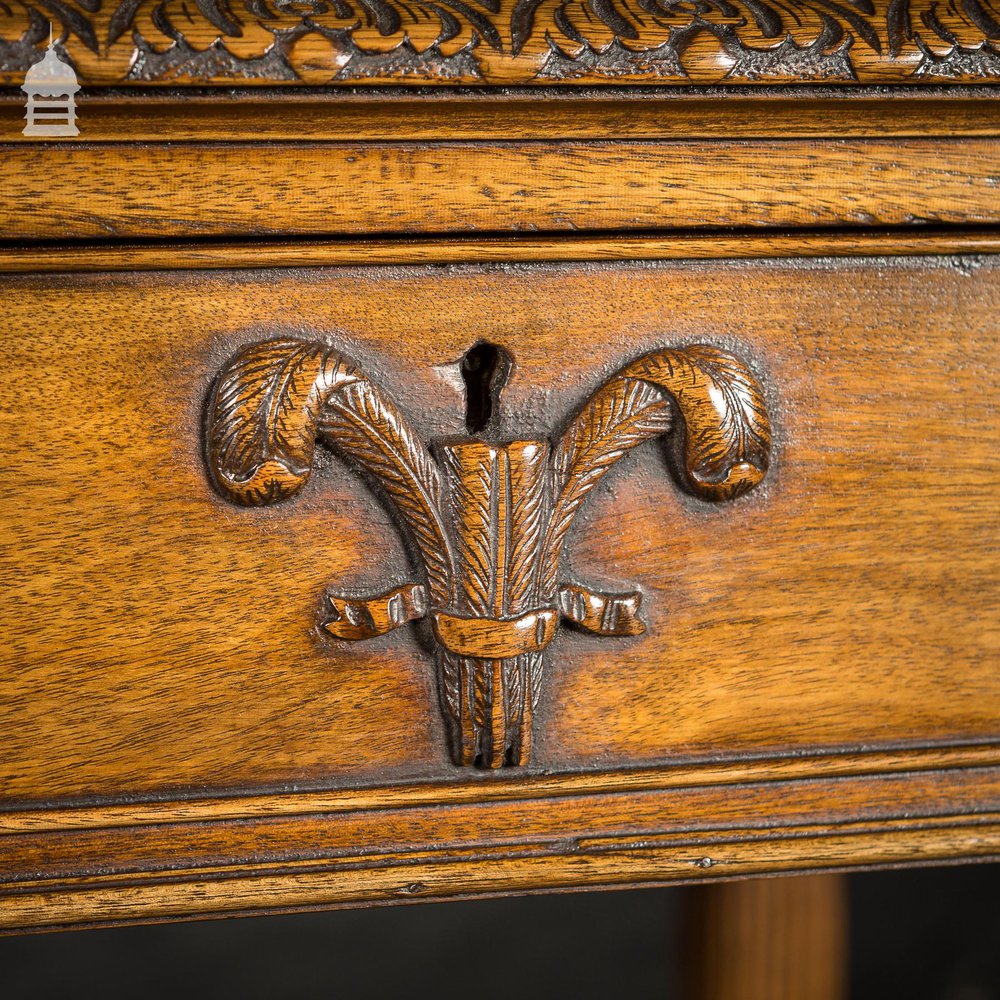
926 934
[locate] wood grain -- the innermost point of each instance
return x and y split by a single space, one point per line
489 520
548 842
102 902
512 248
768 939
852 603
179 741
202 808
698 815
199 189
334 116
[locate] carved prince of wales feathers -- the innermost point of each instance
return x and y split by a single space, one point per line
488 520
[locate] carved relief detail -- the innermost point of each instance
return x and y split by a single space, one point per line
111 42
489 520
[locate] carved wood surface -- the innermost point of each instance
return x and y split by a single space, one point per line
489 686
196 664
179 739
489 520
140 42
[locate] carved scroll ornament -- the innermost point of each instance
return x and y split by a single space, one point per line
489 520
506 42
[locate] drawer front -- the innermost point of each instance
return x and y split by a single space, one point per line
165 657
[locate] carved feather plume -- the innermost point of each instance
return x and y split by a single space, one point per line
529 512
263 417
471 485
490 520
450 682
273 401
620 415
727 435
360 422
513 682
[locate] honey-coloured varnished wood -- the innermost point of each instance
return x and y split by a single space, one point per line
489 521
142 42
816 686
768 939
491 532
488 837
198 662
206 189
497 446
509 249
445 114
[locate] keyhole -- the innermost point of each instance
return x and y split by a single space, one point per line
485 369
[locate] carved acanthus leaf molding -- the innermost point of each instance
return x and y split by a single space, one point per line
504 42
488 520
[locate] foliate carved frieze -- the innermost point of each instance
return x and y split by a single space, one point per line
322 42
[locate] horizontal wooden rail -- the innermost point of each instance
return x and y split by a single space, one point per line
210 254
258 189
556 838
510 115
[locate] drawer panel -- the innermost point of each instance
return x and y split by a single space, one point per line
160 640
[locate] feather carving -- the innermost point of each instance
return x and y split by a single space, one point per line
275 398
450 682
619 416
470 472
529 490
264 414
361 423
489 520
513 677
727 433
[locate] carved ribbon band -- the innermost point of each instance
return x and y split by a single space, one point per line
490 638
496 638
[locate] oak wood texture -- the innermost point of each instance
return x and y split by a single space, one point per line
768 939
509 42
204 808
200 189
507 115
512 248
